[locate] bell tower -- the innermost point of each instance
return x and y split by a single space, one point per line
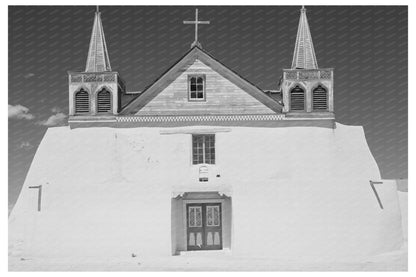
307 89
96 91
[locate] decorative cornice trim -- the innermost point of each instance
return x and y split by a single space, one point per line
309 118
89 121
194 118
191 118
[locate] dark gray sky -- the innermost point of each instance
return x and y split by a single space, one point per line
367 46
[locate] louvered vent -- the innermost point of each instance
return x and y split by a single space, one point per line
104 101
320 99
297 99
82 102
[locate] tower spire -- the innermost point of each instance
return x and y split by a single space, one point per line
304 54
98 59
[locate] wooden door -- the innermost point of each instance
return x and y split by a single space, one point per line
204 226
213 228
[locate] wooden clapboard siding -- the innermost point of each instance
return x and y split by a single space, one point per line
221 96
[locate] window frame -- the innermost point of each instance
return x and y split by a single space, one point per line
101 90
78 91
326 98
304 99
203 99
204 154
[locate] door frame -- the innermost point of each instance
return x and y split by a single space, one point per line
201 201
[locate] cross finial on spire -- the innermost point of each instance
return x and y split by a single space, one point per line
196 22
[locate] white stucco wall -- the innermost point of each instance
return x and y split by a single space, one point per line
296 192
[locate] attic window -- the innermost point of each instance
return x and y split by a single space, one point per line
203 149
196 88
297 99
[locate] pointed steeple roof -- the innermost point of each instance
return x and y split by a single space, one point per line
98 59
304 54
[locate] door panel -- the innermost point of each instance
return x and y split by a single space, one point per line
194 227
204 227
213 230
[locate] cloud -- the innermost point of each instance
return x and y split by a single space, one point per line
20 112
57 119
25 145
56 110
29 75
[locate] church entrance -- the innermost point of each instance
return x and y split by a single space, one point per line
204 226
201 220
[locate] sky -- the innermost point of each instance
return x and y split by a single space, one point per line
366 45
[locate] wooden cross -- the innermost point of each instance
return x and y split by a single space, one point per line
39 194
196 22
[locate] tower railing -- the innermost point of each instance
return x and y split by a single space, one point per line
95 77
308 74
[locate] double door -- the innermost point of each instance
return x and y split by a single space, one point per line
204 226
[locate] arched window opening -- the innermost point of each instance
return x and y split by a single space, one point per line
320 99
104 101
82 102
297 99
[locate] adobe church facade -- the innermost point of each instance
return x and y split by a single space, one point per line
200 90
203 159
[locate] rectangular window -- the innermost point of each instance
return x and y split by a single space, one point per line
203 149
196 87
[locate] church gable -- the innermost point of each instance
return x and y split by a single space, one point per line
200 90
200 85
